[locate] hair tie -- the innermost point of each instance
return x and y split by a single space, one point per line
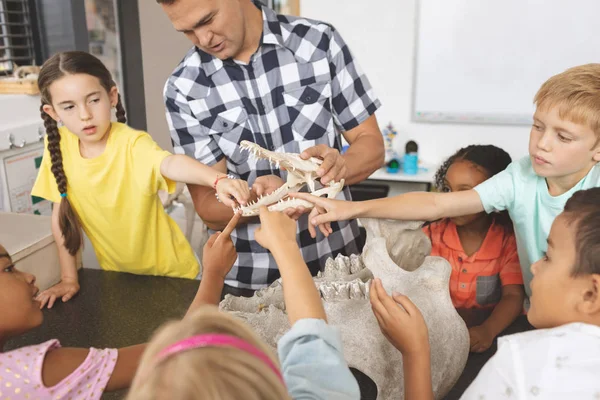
63 194
217 340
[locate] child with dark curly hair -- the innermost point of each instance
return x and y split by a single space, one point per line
481 248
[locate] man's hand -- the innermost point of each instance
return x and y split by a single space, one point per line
333 167
65 290
266 184
219 252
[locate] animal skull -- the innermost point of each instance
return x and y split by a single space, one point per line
396 252
300 173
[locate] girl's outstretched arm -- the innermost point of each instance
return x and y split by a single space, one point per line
278 234
422 206
181 168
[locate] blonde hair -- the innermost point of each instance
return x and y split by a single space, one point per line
215 373
576 93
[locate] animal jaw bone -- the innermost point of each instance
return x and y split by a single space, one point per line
395 252
300 173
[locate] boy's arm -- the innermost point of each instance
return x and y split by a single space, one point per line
403 325
422 206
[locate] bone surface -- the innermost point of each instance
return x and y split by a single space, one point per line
300 173
396 252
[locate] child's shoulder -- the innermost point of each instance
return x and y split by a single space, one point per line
572 336
25 359
125 133
523 169
35 349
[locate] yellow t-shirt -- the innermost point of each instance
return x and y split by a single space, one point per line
115 197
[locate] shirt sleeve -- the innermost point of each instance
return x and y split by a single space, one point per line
187 135
497 379
45 184
146 159
498 192
313 364
511 274
353 98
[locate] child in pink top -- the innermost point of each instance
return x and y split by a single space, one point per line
49 371
21 376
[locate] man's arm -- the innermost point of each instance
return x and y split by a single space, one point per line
366 153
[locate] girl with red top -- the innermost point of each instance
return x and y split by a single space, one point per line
481 248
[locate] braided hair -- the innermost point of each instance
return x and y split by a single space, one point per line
491 158
56 67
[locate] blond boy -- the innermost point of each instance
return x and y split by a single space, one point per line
564 149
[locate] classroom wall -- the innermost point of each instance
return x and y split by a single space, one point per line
162 49
381 34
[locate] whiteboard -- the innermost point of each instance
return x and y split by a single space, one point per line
482 61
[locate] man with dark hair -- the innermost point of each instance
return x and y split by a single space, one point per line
288 84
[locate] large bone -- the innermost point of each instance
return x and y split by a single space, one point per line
395 252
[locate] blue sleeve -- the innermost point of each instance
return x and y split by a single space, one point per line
313 365
498 192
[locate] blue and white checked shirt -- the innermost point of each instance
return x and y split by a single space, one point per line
301 88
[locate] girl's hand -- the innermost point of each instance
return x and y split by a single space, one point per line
237 188
65 289
481 339
329 210
275 228
404 327
219 252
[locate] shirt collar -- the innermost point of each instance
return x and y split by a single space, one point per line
490 249
271 35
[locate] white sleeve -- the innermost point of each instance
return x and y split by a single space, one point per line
498 379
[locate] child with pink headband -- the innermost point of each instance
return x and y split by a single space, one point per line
211 355
49 371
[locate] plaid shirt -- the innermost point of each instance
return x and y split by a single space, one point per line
301 88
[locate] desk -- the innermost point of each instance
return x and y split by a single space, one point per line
401 182
117 310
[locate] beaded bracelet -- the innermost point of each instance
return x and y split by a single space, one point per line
228 176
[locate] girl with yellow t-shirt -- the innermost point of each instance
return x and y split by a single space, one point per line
114 173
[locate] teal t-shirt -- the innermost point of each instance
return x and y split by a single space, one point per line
532 209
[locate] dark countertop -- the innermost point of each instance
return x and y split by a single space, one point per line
118 310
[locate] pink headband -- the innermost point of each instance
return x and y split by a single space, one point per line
217 340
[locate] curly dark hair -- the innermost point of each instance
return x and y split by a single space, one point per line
491 158
583 211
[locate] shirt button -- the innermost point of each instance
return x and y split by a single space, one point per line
272 148
460 259
464 271
308 98
225 124
462 285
